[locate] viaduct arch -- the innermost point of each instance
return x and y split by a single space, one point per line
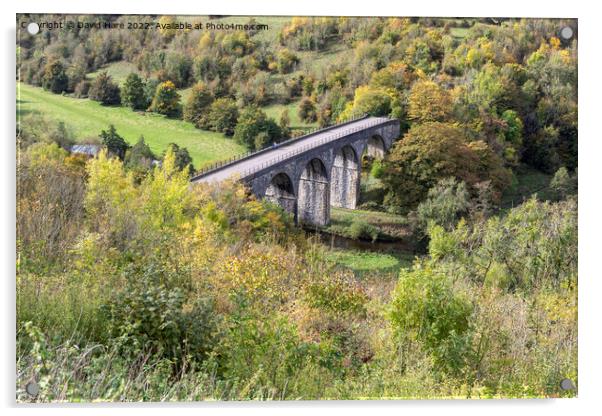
309 174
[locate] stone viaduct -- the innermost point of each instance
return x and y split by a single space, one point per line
308 174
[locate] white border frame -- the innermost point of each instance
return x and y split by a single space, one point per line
590 152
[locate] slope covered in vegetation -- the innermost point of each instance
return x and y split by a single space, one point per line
133 285
86 119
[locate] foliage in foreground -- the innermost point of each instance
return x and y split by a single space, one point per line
151 290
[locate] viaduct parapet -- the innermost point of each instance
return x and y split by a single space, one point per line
309 174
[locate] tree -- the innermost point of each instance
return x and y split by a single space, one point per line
395 76
198 105
55 79
223 114
49 213
114 142
132 92
372 101
286 61
62 136
150 88
307 110
167 27
140 155
255 130
428 102
166 100
237 43
178 69
103 89
332 106
183 160
285 123
432 151
513 136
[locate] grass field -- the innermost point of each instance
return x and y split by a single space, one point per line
389 226
368 262
87 118
372 217
117 70
275 110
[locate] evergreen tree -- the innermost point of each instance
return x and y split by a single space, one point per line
103 89
114 142
140 154
132 93
285 124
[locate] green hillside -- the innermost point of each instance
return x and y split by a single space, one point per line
87 118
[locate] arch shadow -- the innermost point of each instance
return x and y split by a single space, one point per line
281 191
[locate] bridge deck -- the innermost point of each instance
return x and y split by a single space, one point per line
281 152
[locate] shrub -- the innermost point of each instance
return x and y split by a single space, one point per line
535 241
444 205
81 89
103 89
148 316
360 229
338 294
307 110
262 356
426 309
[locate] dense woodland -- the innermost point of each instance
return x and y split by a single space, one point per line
132 285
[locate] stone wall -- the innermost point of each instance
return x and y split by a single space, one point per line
326 175
345 179
313 202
